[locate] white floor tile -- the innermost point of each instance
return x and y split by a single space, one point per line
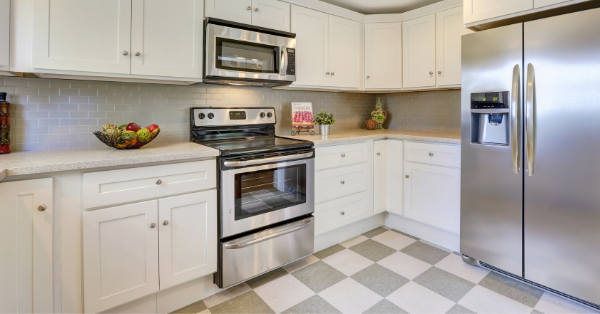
415 298
226 295
283 293
482 300
394 240
550 304
455 265
301 263
404 265
354 241
348 262
348 296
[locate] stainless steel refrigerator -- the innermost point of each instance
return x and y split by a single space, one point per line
530 199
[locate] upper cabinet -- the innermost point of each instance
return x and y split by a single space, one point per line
477 10
418 53
4 35
166 38
383 56
272 14
448 31
344 52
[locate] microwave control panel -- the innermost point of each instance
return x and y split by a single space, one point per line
291 68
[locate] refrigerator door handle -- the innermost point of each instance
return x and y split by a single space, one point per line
515 110
529 127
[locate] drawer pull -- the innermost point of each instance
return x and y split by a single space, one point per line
378 154
431 154
152 225
343 182
342 213
42 207
166 222
159 182
407 176
343 155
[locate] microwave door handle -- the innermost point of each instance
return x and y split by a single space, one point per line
284 61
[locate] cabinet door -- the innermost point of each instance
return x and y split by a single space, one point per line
74 35
312 46
344 48
380 176
4 34
166 38
383 55
342 211
394 176
188 237
449 29
479 10
232 10
340 182
543 3
120 255
418 52
26 246
432 195
271 14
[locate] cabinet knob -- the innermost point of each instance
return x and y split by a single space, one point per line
326 73
152 225
439 72
125 52
343 155
378 154
42 207
159 182
332 73
407 176
166 222
249 8
431 154
137 54
343 182
368 76
256 10
342 213
430 72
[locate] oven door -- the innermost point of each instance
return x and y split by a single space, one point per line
258 196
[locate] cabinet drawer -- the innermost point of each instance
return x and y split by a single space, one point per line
130 185
340 155
340 212
435 154
334 183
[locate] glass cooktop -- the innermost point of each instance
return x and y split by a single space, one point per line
254 145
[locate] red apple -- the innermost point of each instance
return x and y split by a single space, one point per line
152 127
133 127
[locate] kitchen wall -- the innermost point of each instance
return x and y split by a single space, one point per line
437 111
62 114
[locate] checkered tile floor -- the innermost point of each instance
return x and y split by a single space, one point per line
383 271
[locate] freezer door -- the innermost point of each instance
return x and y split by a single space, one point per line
491 191
562 195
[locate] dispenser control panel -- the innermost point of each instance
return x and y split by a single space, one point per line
490 118
495 100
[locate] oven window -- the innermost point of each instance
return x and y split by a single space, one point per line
263 191
245 56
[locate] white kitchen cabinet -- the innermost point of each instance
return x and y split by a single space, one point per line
383 56
449 29
187 237
380 177
432 195
340 182
74 35
4 35
166 38
418 52
272 14
478 10
312 31
342 211
344 52
26 213
120 255
394 175
544 3
232 10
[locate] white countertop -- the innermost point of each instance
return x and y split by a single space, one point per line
363 135
33 162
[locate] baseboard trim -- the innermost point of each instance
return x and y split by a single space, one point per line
428 233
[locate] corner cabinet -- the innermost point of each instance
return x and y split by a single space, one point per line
264 13
418 53
477 10
383 56
387 176
27 215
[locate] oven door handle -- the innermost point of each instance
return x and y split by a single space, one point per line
241 163
271 233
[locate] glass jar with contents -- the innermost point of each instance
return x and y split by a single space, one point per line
4 124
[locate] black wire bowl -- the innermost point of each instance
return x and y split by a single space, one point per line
121 144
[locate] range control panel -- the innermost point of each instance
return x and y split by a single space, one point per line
232 116
291 68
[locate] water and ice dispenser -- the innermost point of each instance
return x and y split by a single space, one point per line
490 118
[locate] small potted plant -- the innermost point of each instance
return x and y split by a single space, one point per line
324 119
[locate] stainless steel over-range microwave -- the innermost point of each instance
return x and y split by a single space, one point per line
240 54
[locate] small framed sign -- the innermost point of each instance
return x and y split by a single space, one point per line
302 118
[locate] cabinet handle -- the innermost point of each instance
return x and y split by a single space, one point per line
378 154
439 72
159 182
125 52
407 176
42 207
166 222
431 154
430 72
256 10
332 73
342 213
368 76
137 54
152 225
326 73
249 8
343 182
343 155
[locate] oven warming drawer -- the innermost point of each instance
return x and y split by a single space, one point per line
260 252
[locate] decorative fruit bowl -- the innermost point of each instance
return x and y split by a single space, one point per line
127 137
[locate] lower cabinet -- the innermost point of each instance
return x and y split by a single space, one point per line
342 211
432 195
387 177
121 254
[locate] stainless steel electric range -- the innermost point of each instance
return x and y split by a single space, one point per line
266 191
